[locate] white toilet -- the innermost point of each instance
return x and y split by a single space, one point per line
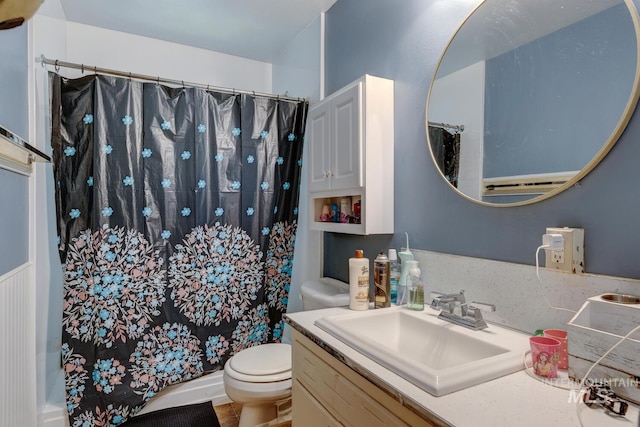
259 377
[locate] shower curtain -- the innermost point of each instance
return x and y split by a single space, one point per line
176 212
446 151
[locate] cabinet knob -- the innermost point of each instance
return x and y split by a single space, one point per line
329 174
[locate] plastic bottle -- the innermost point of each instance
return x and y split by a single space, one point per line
381 283
359 282
356 211
394 276
345 210
416 289
405 256
403 289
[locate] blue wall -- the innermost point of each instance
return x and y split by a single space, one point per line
404 44
522 126
14 188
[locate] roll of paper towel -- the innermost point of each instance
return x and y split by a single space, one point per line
323 293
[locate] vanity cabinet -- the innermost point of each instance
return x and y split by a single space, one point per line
350 135
328 393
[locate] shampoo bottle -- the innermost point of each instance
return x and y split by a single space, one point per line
381 283
394 277
358 282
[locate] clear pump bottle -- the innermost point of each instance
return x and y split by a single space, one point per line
415 289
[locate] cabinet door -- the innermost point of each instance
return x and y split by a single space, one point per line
339 395
346 139
318 140
308 412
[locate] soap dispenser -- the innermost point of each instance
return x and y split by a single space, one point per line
405 256
403 291
415 288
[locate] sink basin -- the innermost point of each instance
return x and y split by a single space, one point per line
435 355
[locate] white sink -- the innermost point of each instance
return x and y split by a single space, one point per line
435 355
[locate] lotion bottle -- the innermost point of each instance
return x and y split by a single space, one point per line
359 281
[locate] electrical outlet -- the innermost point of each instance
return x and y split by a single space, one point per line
557 256
571 258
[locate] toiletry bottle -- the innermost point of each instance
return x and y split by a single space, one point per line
381 285
403 289
335 213
345 209
405 257
394 275
356 211
416 289
359 282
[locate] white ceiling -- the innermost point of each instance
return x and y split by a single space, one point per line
255 29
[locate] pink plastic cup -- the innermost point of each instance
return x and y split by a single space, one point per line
560 335
545 354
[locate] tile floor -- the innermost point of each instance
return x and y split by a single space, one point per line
229 414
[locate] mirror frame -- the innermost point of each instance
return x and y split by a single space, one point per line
608 145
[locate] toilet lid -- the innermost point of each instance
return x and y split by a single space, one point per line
265 359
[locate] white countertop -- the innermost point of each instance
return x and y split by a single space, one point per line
516 399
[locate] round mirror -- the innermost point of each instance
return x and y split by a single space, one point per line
530 95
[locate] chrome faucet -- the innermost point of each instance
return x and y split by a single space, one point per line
454 308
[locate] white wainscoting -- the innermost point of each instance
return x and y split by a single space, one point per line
17 351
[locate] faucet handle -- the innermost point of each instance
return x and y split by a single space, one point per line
433 295
482 306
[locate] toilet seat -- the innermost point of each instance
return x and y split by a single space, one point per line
261 364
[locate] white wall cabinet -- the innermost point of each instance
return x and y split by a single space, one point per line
335 144
328 393
350 135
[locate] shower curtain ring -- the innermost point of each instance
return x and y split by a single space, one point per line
158 81
56 67
129 75
95 70
82 68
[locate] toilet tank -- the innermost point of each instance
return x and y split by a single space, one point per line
323 293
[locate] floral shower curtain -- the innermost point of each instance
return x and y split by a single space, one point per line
446 151
176 214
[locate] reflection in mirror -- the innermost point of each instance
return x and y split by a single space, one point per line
530 95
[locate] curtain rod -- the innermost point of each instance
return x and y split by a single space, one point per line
57 64
459 128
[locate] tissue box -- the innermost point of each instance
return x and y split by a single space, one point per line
598 326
